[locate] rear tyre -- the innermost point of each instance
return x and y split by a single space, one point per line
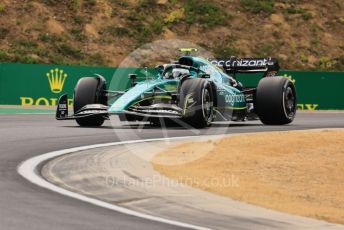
196 100
89 90
275 101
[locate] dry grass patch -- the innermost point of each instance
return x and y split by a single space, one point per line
300 172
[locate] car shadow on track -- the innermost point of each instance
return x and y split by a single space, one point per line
169 127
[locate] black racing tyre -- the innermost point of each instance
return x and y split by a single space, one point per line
275 100
88 90
196 100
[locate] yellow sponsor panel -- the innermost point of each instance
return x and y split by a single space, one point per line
310 107
56 78
29 101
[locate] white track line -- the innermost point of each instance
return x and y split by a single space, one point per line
28 170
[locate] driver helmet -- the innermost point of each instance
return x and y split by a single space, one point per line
168 75
177 73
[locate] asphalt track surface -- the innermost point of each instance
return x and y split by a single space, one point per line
26 206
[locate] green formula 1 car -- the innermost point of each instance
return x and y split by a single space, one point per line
194 90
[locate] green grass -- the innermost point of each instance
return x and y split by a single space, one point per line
143 34
117 31
69 51
122 3
339 63
51 38
51 2
265 50
27 44
326 63
78 20
340 20
303 58
24 51
148 4
256 6
156 27
75 5
205 13
4 57
144 21
24 110
94 60
3 32
89 4
227 48
306 15
2 8
78 34
25 59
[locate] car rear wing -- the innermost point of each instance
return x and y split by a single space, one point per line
233 65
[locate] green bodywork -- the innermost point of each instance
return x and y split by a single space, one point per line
228 97
141 91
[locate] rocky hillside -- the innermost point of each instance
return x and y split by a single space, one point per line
303 34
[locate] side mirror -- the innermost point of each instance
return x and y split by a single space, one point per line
133 78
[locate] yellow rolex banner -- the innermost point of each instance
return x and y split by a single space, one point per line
26 84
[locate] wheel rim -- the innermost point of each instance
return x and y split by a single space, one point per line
289 102
207 106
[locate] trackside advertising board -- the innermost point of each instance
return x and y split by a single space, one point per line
25 84
315 90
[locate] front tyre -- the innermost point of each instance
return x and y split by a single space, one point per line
275 102
89 90
196 100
